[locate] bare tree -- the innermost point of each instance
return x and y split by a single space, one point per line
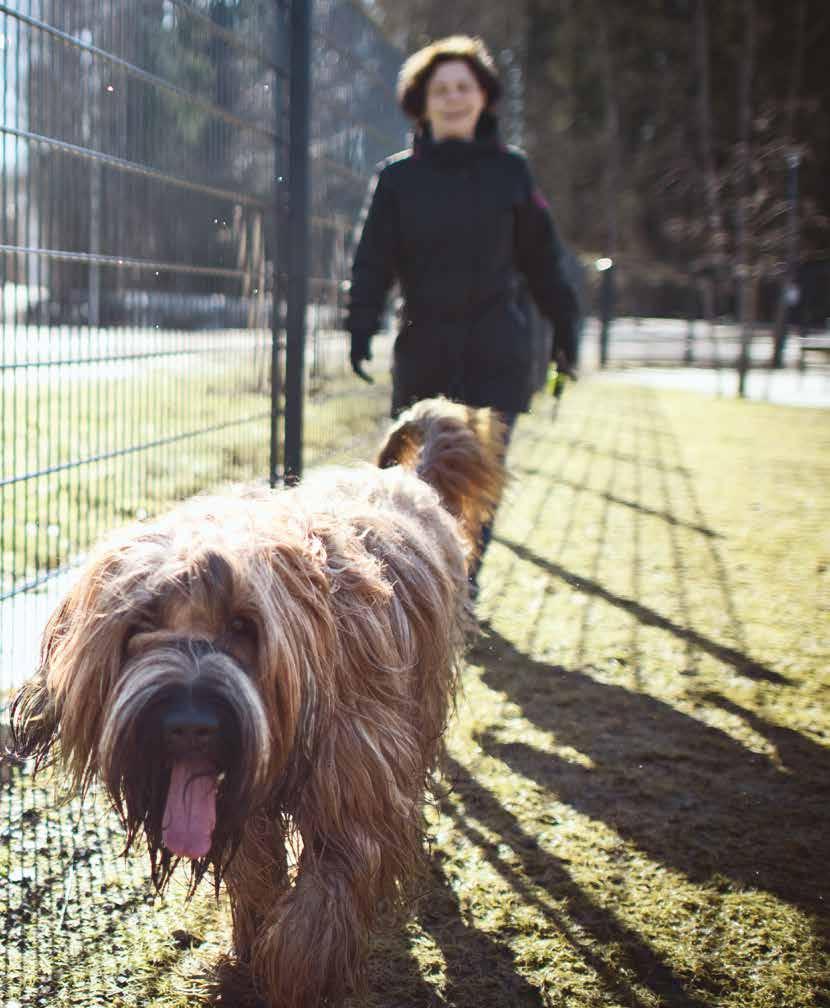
743 272
793 156
714 237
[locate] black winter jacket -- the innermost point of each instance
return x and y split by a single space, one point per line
455 223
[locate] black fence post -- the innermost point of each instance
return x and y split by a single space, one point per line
789 295
691 318
279 248
606 269
298 223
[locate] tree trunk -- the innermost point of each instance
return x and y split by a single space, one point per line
742 268
610 185
612 137
788 279
714 233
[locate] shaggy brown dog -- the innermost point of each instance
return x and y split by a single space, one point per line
265 671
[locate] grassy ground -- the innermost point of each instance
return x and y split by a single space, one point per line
638 814
87 453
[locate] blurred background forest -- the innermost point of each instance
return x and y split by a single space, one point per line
687 140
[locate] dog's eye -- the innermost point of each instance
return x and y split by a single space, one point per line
134 637
242 626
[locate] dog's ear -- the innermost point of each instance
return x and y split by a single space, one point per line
34 721
313 588
35 707
400 447
59 710
288 599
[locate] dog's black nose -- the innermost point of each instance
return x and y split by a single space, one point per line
190 727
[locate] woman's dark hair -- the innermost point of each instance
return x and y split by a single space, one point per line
417 70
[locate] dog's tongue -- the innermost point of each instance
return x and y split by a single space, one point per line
190 812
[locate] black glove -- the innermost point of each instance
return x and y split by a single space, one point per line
360 352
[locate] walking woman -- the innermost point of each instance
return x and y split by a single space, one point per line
457 220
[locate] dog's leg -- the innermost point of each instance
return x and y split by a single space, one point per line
313 946
360 817
255 878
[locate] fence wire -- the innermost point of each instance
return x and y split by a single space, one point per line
144 152
139 147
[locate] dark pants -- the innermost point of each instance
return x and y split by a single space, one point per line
509 420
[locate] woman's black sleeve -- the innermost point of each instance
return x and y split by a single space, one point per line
373 269
541 257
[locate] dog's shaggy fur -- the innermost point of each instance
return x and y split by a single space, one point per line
269 670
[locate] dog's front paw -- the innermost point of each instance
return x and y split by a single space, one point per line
232 985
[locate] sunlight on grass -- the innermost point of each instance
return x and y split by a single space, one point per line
634 812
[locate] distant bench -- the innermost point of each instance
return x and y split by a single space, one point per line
813 344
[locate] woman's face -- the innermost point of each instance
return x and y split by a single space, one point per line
454 101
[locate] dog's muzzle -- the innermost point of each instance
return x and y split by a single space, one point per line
186 742
190 727
191 739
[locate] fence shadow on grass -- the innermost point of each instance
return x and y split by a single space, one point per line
65 892
687 794
479 970
666 448
654 449
544 873
741 662
638 506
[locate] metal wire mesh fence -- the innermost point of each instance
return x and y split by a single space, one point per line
144 248
140 146
355 123
144 157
